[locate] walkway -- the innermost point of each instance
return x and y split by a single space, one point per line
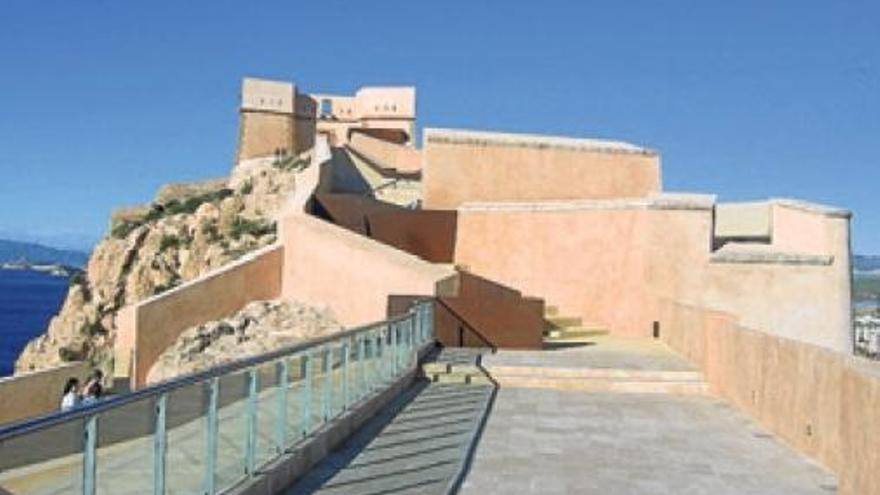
416 445
554 442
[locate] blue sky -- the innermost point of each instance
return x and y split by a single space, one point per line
101 101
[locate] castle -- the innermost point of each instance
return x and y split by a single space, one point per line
278 119
505 233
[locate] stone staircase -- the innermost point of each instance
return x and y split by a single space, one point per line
562 331
601 380
455 365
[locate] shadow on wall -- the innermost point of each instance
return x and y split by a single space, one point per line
345 177
483 314
428 234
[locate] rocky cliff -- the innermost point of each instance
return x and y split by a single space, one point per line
188 230
259 327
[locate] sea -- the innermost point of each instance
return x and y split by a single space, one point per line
28 300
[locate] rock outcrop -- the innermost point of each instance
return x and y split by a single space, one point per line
260 327
188 230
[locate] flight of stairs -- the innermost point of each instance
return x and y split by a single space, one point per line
455 365
563 331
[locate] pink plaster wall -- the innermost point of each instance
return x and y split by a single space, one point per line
149 327
821 402
405 159
467 166
326 265
609 262
37 392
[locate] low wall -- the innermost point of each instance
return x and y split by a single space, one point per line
38 392
467 166
428 234
503 317
821 402
386 155
146 329
326 265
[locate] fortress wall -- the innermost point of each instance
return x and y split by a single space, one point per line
610 262
262 133
304 134
387 155
146 329
582 257
469 166
798 287
37 392
821 402
326 265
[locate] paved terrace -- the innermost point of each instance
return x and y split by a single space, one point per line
560 435
568 422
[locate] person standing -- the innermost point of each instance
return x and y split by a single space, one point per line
71 397
93 390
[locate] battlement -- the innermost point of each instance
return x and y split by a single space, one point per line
262 95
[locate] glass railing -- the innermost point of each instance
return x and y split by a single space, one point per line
207 432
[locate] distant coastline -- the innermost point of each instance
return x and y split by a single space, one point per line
54 269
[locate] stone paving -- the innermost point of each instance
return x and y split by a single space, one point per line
599 352
416 445
553 442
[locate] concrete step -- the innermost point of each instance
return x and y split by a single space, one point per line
436 367
564 321
605 385
462 378
449 367
601 379
573 333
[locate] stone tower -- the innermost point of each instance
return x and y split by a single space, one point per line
267 124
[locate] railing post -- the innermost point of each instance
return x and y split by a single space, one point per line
395 352
90 445
327 382
306 371
282 382
250 450
346 350
211 427
361 381
159 445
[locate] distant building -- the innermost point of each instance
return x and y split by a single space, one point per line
278 119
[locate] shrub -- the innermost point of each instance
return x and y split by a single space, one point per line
67 355
247 187
122 229
78 278
291 163
167 242
242 226
93 329
211 232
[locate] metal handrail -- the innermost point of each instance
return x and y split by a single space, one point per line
52 419
470 327
393 345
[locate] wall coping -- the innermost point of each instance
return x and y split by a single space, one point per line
798 204
488 138
756 254
232 265
357 241
42 371
700 202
